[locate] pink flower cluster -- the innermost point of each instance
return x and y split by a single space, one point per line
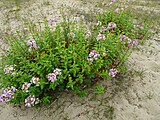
8 93
123 37
113 72
31 101
9 69
131 43
101 37
93 55
26 85
50 20
32 44
111 25
53 76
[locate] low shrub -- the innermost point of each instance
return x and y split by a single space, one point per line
72 57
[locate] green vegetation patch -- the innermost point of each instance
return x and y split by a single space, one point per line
72 57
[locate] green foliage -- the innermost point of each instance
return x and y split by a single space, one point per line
123 21
100 89
67 49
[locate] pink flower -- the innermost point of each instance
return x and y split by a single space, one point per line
132 43
6 70
103 29
123 37
50 20
117 10
52 77
4 98
93 54
8 93
9 69
96 56
101 37
30 101
32 44
9 90
111 25
113 72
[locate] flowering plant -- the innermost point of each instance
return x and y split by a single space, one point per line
70 57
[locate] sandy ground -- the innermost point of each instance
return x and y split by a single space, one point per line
140 100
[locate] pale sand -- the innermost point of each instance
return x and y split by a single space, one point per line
141 101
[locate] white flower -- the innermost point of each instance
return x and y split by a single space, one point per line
26 86
37 101
29 49
104 54
99 23
13 73
35 80
57 71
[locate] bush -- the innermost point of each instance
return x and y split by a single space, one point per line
70 57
